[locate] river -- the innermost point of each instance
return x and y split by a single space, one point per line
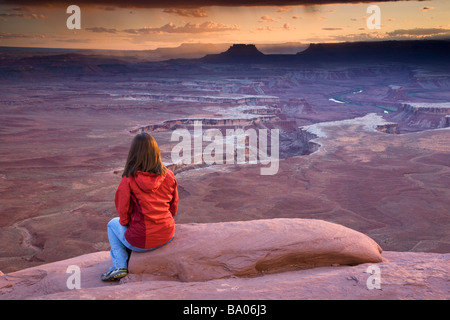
342 99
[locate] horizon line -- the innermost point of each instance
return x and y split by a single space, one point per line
229 43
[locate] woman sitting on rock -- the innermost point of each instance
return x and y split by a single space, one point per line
146 201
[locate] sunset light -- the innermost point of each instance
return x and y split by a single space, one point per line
229 156
139 27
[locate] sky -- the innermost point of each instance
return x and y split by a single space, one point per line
145 25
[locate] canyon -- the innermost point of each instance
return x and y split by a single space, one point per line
363 143
423 115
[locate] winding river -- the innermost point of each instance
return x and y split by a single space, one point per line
342 98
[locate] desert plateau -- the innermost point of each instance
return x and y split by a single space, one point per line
364 143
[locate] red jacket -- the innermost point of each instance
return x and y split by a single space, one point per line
147 203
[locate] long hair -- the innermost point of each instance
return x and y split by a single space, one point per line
144 155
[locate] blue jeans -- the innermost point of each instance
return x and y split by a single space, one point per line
120 248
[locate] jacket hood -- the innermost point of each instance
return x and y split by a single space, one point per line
148 182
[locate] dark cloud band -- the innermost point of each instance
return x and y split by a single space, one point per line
187 4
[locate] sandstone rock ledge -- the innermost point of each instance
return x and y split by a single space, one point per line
209 251
261 259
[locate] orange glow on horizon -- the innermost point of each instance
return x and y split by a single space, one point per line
104 27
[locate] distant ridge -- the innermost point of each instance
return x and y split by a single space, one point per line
183 51
396 51
17 63
410 51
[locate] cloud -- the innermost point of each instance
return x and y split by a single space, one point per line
420 32
285 27
208 26
267 28
182 3
101 30
425 9
38 38
9 35
74 40
268 19
192 13
311 9
400 34
23 15
331 29
284 9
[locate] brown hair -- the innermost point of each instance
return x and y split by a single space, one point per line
144 155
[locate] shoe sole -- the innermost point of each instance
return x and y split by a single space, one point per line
116 277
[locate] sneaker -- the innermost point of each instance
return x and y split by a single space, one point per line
115 274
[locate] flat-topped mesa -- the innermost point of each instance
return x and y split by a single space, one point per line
429 51
388 128
170 125
414 116
423 107
243 115
237 53
243 50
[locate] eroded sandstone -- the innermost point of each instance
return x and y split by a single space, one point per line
201 252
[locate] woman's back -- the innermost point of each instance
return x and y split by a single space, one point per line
147 202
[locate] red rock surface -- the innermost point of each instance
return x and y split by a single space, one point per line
209 251
404 275
191 268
